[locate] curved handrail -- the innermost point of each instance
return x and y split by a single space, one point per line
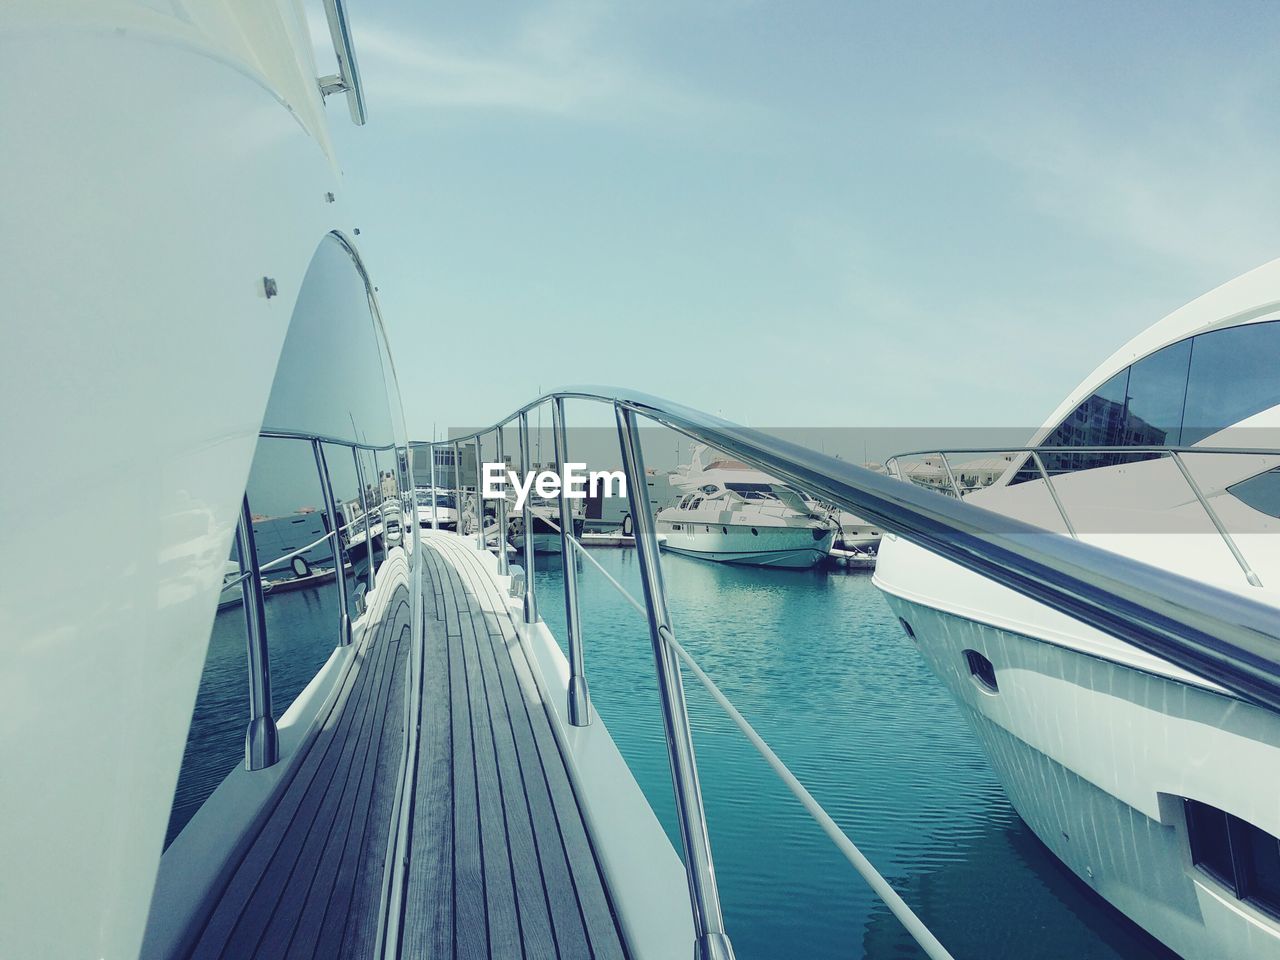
1216 633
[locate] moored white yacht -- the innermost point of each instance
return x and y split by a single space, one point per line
857 534
731 513
1154 785
438 508
546 526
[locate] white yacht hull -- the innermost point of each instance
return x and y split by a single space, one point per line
786 547
1097 756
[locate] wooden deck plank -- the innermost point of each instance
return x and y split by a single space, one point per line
363 914
526 866
275 914
499 897
470 927
296 806
596 912
428 911
569 932
500 863
290 859
329 908
594 923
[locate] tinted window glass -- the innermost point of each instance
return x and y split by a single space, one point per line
1098 422
1244 857
346 495
1210 841
1234 374
1261 869
1261 492
1175 397
1157 386
296 558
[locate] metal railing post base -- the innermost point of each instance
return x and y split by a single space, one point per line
713 946
344 631
261 743
579 702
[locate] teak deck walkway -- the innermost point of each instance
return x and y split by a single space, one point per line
499 862
310 883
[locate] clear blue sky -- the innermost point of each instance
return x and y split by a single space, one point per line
802 214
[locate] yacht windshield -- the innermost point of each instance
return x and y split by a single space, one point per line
441 499
753 491
1178 395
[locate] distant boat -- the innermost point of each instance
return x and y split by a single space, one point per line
546 528
731 513
437 507
857 535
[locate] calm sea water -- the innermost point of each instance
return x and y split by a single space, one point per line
818 664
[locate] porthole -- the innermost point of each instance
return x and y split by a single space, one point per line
755 532
982 670
724 530
907 627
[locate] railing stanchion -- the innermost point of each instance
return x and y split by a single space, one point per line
711 941
1053 492
457 485
261 740
503 566
481 544
1217 523
951 477
335 544
579 696
435 494
526 464
364 505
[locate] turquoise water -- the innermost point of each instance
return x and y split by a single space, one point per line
818 664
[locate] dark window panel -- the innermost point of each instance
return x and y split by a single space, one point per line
1261 492
1210 841
1157 388
1258 865
1234 374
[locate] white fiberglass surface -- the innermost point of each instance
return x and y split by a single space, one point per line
170 196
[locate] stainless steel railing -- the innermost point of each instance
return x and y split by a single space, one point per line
261 739
1117 453
347 79
1224 636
